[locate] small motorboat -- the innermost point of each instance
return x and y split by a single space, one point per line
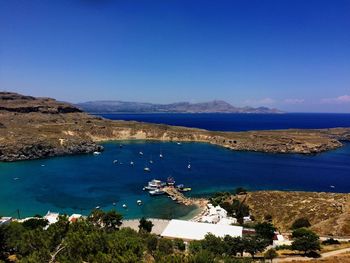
150 161
115 161
332 186
139 202
15 178
96 153
156 192
189 166
178 143
43 165
132 163
160 155
120 145
114 203
125 206
97 207
141 153
147 169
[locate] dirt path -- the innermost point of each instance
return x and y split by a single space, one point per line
323 255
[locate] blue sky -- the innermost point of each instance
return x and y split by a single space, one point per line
289 54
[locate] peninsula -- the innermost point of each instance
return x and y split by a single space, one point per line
32 128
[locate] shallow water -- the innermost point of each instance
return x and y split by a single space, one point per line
80 183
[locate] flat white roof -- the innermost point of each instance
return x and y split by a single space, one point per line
188 230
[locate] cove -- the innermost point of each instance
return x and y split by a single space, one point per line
77 184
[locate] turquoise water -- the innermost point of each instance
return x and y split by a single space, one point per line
80 183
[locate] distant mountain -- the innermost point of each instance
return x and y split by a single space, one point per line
216 106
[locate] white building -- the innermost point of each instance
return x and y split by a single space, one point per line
74 217
5 220
51 217
188 230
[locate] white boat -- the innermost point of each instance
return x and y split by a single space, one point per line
140 153
139 202
131 163
114 203
96 153
16 178
160 155
189 166
157 192
97 207
150 161
147 169
43 165
179 143
154 184
115 161
332 186
125 206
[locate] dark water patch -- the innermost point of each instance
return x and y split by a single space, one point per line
242 122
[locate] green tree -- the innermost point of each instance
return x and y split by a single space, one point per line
270 254
233 245
165 246
305 240
112 220
145 225
266 231
300 223
195 246
213 244
179 244
202 256
254 245
151 243
34 223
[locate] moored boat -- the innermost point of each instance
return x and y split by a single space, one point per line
156 192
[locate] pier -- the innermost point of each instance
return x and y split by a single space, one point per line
179 197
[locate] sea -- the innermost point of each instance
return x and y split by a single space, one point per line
78 184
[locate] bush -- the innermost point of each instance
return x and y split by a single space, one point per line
283 247
300 223
165 246
240 190
330 241
179 244
34 223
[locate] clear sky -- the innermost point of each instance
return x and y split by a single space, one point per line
289 54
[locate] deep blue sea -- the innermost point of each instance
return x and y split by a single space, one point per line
80 183
242 122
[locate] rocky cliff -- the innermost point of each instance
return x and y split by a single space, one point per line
33 128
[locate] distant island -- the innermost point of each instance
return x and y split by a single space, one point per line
215 106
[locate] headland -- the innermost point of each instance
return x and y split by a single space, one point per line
32 128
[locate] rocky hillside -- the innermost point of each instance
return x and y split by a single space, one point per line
216 106
41 127
328 213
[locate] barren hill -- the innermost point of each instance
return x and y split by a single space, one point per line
41 127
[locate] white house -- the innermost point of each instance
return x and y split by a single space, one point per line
51 217
188 230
